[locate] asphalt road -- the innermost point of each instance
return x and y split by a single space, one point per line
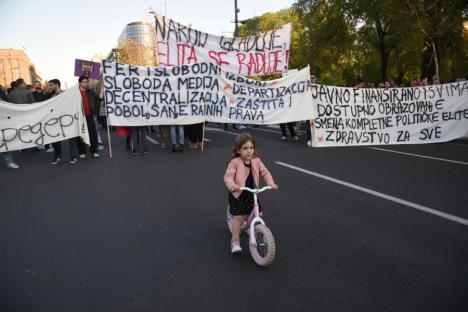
362 229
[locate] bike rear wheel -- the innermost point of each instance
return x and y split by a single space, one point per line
264 253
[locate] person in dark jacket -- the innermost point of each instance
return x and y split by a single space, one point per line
55 90
90 102
38 93
7 156
195 134
3 95
21 95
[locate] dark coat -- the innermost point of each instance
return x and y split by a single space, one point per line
3 95
39 96
21 96
94 101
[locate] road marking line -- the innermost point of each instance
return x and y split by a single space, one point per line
220 130
265 130
233 133
381 195
417 155
151 140
279 132
207 140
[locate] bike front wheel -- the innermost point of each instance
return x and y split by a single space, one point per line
264 253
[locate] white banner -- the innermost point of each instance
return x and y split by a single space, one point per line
264 54
188 94
29 125
348 117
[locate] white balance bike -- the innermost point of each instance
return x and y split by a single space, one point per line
262 243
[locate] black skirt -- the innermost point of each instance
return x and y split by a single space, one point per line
245 203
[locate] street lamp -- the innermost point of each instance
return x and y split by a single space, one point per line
236 10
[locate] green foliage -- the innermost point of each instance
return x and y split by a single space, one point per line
346 41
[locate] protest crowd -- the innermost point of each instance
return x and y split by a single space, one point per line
222 81
136 138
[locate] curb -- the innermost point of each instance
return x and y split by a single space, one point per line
461 141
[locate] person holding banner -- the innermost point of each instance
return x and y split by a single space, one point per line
138 139
89 99
291 129
195 134
9 163
308 124
3 95
177 139
164 135
21 95
7 156
55 90
38 93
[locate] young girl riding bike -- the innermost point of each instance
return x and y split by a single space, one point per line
244 170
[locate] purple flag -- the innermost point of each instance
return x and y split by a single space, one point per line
87 68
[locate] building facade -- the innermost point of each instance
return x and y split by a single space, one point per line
136 43
16 64
139 32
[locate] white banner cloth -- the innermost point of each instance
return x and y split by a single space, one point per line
264 54
188 94
348 117
29 125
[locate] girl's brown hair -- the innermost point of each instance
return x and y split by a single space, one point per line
241 139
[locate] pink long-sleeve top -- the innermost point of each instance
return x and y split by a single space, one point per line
237 173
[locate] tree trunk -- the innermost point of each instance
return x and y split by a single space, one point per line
381 45
436 62
400 68
383 62
430 60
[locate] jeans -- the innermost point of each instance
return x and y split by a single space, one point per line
180 130
72 143
98 135
8 158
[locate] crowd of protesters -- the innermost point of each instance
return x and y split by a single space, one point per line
391 84
136 137
21 93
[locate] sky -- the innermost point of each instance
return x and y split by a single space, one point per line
54 33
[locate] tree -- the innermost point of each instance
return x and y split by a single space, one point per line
345 41
329 36
441 22
136 54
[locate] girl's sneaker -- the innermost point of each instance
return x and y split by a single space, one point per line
235 246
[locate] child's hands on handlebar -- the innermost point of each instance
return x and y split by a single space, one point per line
235 189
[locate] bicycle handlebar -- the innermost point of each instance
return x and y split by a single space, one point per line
255 190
